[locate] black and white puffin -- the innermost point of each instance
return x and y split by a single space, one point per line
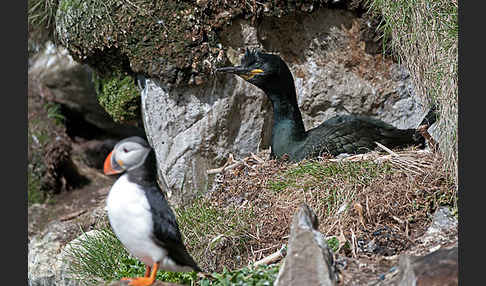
139 214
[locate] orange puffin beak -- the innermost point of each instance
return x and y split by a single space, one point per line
108 168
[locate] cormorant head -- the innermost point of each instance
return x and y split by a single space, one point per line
128 154
266 71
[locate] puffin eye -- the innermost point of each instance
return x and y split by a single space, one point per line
125 149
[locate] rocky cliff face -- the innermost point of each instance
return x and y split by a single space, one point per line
195 128
194 118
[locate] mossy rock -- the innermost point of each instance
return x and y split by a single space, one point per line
119 96
174 41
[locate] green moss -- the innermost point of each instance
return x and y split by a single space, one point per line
119 96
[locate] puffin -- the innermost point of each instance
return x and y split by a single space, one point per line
347 133
139 213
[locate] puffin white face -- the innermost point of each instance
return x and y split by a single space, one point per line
127 155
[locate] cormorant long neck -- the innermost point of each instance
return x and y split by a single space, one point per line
146 174
288 127
288 130
286 110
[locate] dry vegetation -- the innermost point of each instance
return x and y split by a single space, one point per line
425 35
377 197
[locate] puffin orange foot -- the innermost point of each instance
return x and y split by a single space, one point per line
140 281
144 281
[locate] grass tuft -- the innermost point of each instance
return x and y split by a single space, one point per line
215 235
99 256
41 19
425 35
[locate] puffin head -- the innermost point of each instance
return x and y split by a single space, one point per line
128 154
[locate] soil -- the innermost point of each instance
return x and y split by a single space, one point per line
72 204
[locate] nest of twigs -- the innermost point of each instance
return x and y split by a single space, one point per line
374 204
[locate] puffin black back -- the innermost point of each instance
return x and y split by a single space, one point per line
341 134
166 232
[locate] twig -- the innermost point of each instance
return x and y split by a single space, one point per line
359 210
272 258
400 221
353 243
224 168
386 149
230 165
425 133
258 159
72 215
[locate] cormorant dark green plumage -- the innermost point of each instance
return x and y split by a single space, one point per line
350 134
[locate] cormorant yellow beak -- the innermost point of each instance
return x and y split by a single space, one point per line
245 73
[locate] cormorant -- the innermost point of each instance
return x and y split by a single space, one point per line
350 134
140 215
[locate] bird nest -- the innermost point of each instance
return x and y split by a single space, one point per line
375 203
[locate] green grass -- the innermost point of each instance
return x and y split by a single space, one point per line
310 173
41 15
54 111
208 227
102 257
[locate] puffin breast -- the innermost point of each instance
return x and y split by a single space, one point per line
131 220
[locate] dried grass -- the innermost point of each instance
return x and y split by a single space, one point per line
357 200
425 35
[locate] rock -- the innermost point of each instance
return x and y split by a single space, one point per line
433 260
70 83
442 221
309 260
35 212
195 128
441 232
46 263
437 268
43 251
